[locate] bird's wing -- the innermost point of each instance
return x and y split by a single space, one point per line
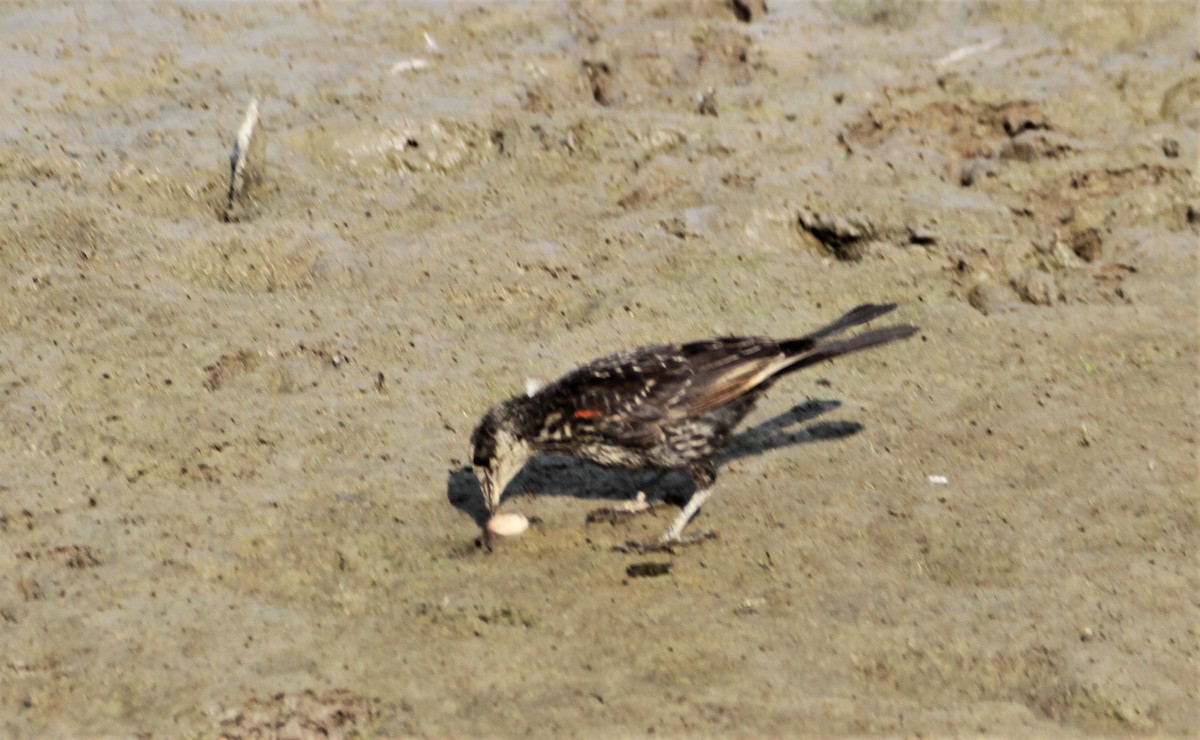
726 369
629 397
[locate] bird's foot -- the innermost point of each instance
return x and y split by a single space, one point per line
623 511
664 544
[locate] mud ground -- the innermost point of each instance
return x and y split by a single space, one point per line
232 488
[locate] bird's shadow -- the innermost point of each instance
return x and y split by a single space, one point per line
559 475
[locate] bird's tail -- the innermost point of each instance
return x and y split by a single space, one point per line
818 346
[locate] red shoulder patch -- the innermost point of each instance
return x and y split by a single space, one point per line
588 414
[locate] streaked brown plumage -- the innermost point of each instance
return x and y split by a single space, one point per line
658 407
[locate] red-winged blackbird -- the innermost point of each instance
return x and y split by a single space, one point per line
661 407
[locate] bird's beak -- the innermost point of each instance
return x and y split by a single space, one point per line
491 493
495 478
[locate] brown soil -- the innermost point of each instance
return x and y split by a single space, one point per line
234 497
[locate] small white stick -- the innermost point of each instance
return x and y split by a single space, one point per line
963 52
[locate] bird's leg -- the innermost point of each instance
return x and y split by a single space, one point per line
626 509
674 533
704 475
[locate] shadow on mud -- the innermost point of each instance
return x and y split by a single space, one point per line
558 475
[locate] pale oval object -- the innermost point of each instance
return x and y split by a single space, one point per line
508 525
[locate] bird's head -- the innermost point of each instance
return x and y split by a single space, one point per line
498 452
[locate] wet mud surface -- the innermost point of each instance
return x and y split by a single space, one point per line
234 493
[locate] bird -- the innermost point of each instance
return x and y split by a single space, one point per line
661 407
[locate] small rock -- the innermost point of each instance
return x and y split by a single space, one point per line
922 235
750 606
990 298
1037 287
844 235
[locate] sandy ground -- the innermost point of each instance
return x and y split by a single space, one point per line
233 493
